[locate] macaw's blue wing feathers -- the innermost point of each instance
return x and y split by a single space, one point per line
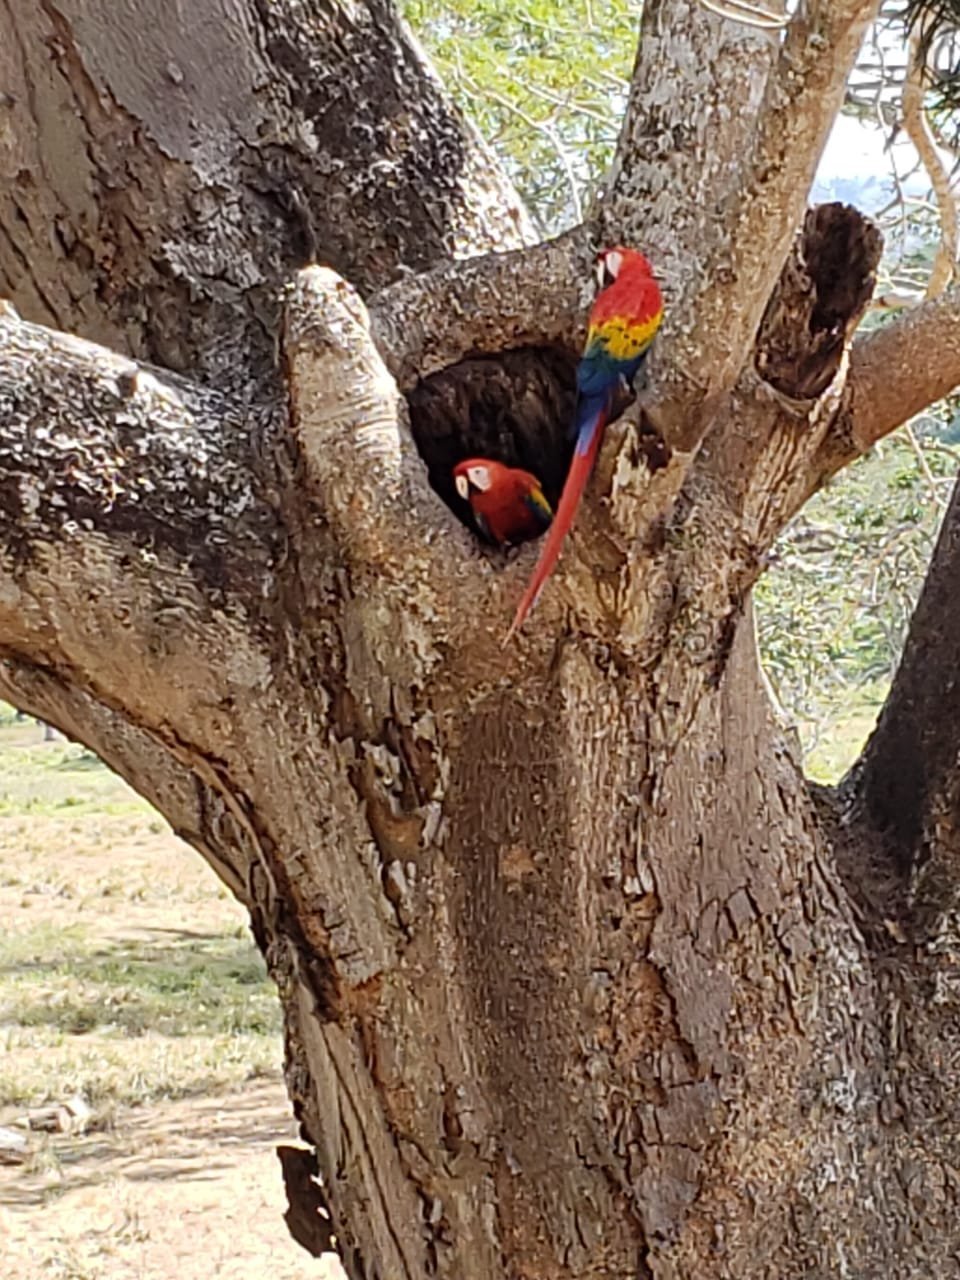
589 409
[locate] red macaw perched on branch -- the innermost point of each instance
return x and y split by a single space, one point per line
507 504
624 321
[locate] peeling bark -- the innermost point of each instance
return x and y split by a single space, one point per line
578 978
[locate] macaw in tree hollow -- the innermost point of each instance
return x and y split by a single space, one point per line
507 504
624 320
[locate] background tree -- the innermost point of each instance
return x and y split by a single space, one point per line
579 976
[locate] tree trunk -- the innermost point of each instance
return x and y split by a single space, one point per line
579 979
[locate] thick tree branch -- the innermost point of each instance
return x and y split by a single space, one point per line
136 521
485 305
91 443
718 203
897 371
363 472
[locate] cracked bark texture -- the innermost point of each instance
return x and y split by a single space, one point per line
579 978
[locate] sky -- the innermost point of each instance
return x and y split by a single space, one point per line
856 166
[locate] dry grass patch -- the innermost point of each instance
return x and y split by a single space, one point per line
128 976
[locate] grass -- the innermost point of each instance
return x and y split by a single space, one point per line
128 976
54 777
127 972
832 746
210 985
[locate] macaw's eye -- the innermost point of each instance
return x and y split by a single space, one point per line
463 486
480 478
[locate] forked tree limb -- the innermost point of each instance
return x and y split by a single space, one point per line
724 230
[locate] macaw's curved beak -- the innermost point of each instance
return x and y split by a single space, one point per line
463 487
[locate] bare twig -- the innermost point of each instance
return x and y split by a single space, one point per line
751 15
546 128
915 124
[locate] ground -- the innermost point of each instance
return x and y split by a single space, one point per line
128 976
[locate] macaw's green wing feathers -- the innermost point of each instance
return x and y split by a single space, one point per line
539 507
483 524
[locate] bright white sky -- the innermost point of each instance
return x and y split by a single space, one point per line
856 166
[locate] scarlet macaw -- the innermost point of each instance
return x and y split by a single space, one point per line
507 504
624 320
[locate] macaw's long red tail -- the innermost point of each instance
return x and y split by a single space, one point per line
589 435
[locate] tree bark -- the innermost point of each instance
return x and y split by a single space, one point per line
906 793
165 171
579 979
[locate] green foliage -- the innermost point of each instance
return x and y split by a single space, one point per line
545 83
836 601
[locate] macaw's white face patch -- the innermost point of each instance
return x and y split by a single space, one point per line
475 479
608 267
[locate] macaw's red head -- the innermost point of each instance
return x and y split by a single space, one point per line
477 475
610 264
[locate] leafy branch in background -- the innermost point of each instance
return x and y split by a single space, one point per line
545 83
